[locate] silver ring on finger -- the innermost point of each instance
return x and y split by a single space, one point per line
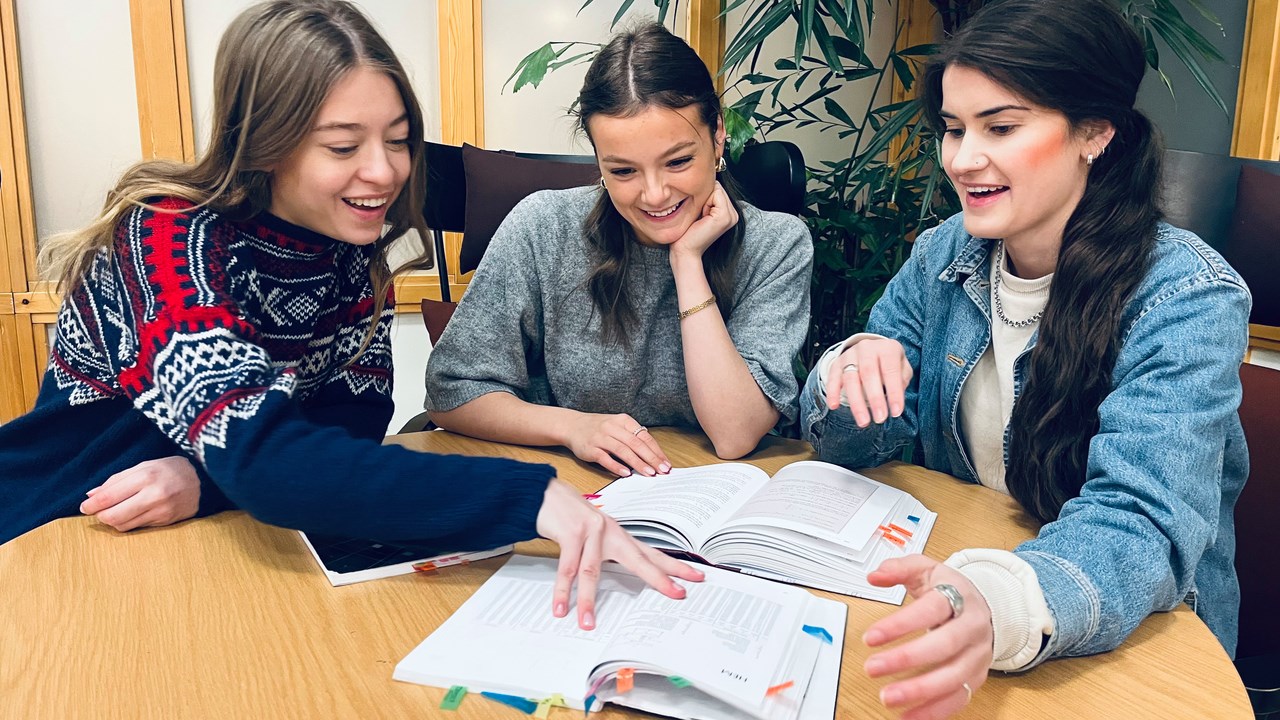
954 598
639 430
850 367
968 693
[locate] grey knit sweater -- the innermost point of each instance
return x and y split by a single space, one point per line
526 324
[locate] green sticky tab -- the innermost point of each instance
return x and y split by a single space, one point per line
557 700
453 698
679 681
544 708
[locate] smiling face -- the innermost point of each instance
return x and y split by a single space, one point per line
659 168
341 180
1019 168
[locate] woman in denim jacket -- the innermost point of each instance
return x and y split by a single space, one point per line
1057 342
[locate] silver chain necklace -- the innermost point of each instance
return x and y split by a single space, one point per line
995 292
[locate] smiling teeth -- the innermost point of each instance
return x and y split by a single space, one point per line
985 189
663 213
367 202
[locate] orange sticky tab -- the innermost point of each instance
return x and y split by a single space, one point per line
424 567
779 688
895 540
901 531
626 679
885 529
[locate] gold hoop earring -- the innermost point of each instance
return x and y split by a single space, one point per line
602 185
1088 159
721 164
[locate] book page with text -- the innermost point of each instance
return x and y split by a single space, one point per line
822 500
696 501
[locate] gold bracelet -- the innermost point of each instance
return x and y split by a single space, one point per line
700 306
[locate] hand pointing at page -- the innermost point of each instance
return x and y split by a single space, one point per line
588 537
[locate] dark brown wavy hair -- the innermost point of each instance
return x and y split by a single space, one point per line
637 70
1079 58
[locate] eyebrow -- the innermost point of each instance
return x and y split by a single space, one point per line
989 112
355 126
674 149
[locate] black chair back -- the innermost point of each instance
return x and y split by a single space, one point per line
1199 192
771 175
445 203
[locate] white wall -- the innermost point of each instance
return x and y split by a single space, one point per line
80 106
535 119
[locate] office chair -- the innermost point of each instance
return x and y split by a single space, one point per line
1257 538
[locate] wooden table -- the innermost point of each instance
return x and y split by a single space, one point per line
227 617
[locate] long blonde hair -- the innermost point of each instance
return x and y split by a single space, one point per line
275 65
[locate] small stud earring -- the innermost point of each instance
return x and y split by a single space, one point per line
721 164
1088 159
602 185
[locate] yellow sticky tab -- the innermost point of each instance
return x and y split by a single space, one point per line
626 679
557 700
543 709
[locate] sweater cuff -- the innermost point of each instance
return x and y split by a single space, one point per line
829 357
1020 617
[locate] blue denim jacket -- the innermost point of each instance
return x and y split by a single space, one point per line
1153 525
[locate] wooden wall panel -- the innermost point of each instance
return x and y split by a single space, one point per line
706 35
1257 128
164 90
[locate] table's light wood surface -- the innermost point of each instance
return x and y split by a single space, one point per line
226 617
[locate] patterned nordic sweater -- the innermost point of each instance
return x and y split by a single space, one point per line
229 342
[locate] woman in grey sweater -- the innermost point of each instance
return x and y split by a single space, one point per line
659 299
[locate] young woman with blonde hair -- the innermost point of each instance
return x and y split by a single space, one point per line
225 324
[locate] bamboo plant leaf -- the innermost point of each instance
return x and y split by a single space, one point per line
532 69
751 36
622 10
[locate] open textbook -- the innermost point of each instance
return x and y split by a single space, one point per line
347 560
734 647
812 523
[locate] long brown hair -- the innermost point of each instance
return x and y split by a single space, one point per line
275 66
637 70
1081 59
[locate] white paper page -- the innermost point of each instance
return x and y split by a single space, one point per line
504 638
727 634
820 700
821 500
695 500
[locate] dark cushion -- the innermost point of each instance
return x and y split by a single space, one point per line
497 181
1255 241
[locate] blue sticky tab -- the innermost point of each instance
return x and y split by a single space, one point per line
515 701
913 518
586 706
820 633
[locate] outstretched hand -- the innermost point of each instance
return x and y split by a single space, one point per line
149 494
874 375
588 537
952 653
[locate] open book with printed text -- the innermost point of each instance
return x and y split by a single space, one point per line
812 523
734 647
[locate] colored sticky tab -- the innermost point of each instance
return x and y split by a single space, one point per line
591 496
544 708
894 539
453 698
424 567
901 531
526 706
626 680
679 681
913 518
586 705
557 700
779 688
820 633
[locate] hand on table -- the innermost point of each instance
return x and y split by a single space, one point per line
874 375
149 494
617 443
588 537
954 652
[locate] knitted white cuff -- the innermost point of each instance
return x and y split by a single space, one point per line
1020 617
829 357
